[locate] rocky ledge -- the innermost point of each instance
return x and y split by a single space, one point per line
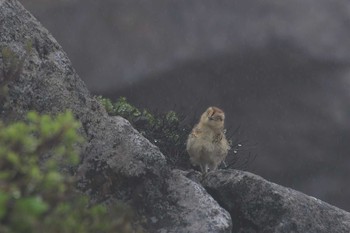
257 205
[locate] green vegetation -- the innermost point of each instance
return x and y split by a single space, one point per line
34 195
169 132
165 130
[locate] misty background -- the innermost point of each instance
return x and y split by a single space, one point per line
279 69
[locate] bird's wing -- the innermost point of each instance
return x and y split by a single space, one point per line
195 131
218 137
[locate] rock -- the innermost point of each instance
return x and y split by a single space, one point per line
138 174
192 198
257 205
118 163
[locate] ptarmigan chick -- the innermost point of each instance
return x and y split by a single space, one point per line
207 144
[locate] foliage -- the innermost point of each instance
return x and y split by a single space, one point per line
34 195
165 130
169 132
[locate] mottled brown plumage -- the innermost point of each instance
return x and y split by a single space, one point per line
207 145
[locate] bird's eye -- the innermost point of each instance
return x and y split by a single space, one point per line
217 118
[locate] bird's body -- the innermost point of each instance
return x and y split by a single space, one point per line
207 145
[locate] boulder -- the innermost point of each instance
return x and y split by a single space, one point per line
257 206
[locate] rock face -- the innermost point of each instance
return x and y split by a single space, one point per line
119 164
257 205
196 201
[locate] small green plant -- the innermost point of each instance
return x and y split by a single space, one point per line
169 132
165 130
34 195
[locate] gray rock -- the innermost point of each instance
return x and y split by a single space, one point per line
191 197
258 206
118 163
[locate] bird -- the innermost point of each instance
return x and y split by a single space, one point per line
207 145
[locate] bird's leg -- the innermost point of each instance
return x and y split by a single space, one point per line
204 169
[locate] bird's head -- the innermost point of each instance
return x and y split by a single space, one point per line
213 117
